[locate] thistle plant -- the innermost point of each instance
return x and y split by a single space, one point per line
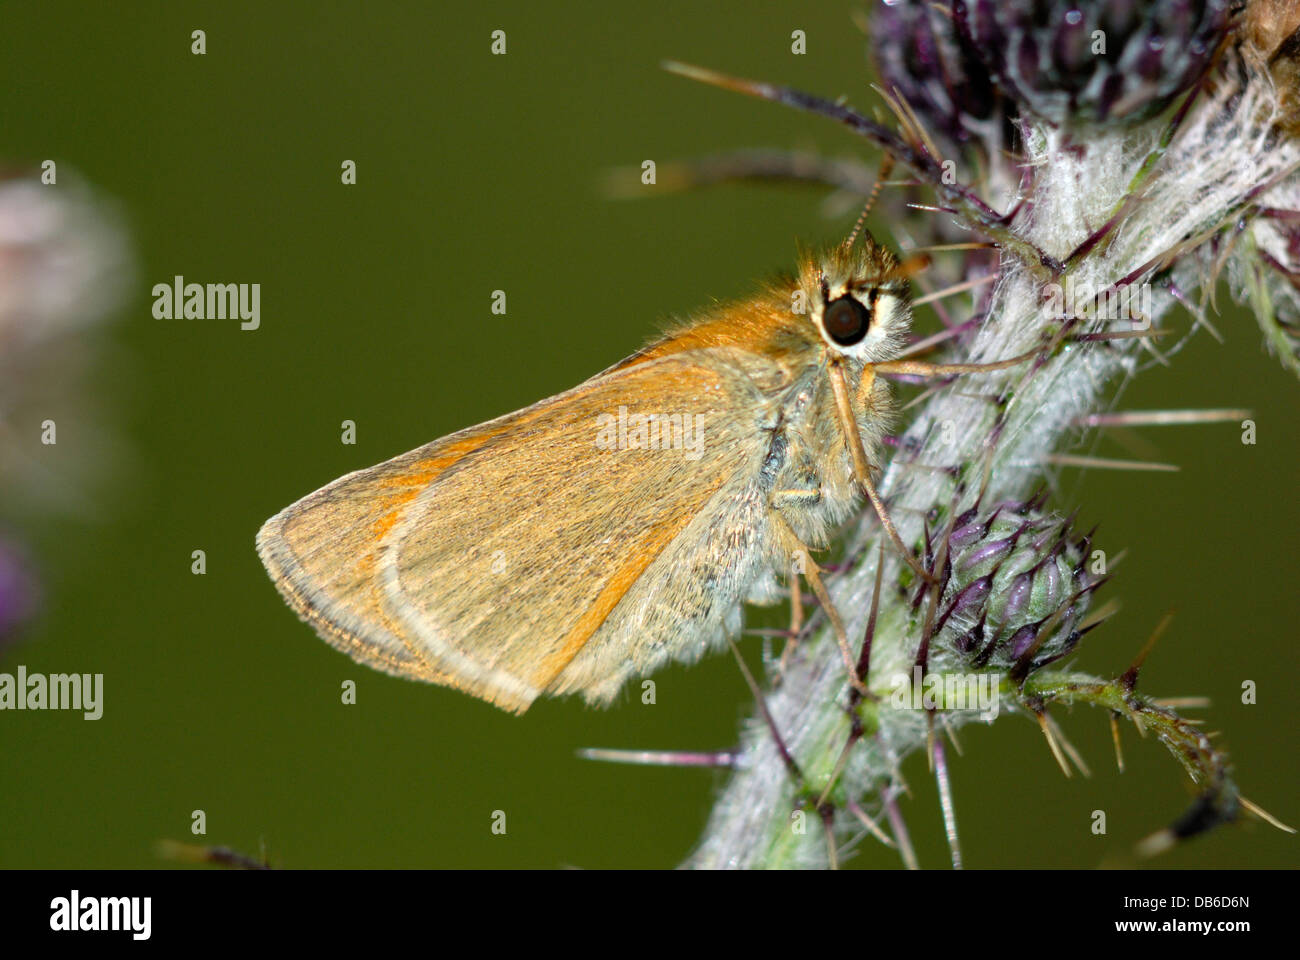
1054 160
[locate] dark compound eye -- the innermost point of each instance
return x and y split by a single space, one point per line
846 321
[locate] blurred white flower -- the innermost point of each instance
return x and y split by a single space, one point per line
64 268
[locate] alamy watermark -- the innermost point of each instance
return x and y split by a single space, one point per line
651 431
976 692
55 691
212 301
76 913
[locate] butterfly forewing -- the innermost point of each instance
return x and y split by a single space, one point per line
490 560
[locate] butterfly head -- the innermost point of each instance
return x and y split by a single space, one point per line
859 301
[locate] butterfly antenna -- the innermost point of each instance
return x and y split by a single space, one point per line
886 165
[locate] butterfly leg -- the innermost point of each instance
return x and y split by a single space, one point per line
862 467
796 618
801 561
783 499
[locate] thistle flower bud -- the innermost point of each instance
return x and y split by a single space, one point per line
1016 584
920 57
1101 62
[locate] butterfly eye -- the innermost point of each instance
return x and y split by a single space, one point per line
846 321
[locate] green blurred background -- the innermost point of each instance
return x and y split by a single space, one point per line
477 173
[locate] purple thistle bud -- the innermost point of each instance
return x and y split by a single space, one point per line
966 531
968 602
1018 507
1014 572
1023 639
1018 596
986 552
973 638
1113 60
1051 576
938 72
